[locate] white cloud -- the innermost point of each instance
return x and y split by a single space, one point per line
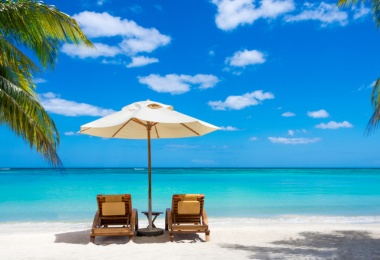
100 2
283 140
246 57
360 12
113 62
136 8
364 87
324 13
318 114
178 84
335 125
54 104
71 133
240 102
253 138
181 146
82 51
39 81
204 162
139 61
232 13
288 114
135 39
229 128
291 132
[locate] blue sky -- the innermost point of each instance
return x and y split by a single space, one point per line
288 82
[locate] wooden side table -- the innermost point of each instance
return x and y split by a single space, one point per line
155 214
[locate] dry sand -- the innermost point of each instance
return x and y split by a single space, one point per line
229 240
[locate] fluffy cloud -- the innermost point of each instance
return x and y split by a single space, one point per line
240 102
54 104
253 138
364 87
246 57
335 125
324 13
140 61
229 128
135 39
318 114
232 13
82 51
178 84
39 81
360 12
288 114
100 2
283 140
70 133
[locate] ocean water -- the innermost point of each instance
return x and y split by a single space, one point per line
329 195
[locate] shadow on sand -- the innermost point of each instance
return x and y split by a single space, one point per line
313 245
83 238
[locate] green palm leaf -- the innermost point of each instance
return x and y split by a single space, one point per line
42 29
375 97
23 114
375 7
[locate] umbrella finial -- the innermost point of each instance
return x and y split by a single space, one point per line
154 106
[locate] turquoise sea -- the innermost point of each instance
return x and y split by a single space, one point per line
341 195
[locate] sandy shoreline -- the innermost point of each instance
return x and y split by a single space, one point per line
228 241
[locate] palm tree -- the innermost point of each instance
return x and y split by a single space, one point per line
375 95
42 29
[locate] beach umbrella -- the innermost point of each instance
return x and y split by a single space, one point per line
147 120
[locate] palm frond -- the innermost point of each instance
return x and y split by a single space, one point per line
374 3
345 3
40 27
24 115
12 59
375 99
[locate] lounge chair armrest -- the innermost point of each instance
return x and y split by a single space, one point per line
134 219
95 224
204 217
168 219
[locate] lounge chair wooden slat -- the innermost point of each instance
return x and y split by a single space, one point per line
115 225
187 223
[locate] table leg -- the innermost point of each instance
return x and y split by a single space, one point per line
153 225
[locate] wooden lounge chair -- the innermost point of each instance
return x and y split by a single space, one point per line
114 217
187 215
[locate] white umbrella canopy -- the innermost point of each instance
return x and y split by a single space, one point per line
132 120
147 120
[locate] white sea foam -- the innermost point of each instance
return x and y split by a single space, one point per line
57 227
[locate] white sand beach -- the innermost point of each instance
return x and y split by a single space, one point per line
228 241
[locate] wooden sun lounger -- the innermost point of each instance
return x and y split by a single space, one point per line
115 217
187 215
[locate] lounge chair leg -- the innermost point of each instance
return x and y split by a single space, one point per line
208 235
92 239
171 236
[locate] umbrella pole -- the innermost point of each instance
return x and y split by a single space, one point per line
149 180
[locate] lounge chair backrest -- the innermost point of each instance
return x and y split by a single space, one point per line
188 204
114 205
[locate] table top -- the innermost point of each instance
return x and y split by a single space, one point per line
153 212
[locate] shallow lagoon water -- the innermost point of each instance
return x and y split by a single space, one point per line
276 194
